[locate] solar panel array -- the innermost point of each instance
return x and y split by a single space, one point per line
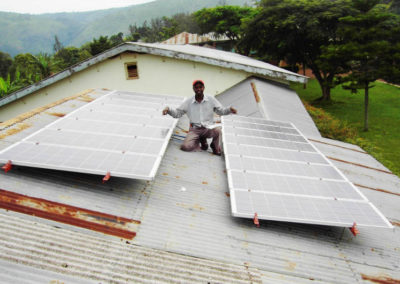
122 133
275 172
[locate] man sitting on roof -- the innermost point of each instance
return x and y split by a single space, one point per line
199 109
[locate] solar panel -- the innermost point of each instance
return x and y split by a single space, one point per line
122 133
275 172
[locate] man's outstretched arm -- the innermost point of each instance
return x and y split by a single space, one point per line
165 111
220 110
176 113
233 110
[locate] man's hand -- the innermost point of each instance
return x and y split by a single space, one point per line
165 111
233 110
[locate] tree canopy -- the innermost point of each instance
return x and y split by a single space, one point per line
5 63
163 28
223 20
295 30
369 35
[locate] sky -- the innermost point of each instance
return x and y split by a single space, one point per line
55 6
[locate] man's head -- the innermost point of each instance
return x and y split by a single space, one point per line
198 87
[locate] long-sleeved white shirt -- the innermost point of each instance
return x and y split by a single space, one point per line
200 114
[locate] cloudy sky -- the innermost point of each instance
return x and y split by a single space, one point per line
55 6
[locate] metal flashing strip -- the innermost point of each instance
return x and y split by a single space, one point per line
123 134
277 174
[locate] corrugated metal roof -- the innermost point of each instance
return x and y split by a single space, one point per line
186 233
262 98
242 97
188 38
219 58
53 254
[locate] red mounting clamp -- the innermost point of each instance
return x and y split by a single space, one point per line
255 220
354 229
106 177
7 166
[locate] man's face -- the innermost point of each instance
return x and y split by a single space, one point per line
198 89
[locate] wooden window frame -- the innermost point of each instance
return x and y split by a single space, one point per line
130 76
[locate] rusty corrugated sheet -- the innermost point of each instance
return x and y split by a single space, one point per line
81 217
72 255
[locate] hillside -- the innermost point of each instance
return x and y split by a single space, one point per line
21 33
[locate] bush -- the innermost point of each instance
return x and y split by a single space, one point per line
336 129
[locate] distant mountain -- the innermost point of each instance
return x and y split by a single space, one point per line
21 33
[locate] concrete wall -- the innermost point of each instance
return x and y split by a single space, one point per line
157 75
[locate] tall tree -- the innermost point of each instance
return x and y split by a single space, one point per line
163 28
5 63
134 33
25 65
99 45
367 46
117 39
69 56
169 28
296 30
57 46
186 22
223 20
395 6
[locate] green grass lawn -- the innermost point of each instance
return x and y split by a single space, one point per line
383 136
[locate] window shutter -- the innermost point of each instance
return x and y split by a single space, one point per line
132 71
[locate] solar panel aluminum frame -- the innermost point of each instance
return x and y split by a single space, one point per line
312 145
233 190
235 213
153 171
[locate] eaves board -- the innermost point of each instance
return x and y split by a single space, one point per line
121 133
276 173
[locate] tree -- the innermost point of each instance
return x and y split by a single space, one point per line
117 39
186 22
69 56
169 28
163 28
392 73
298 30
5 63
395 6
154 34
140 32
25 65
223 20
99 45
57 46
134 33
368 47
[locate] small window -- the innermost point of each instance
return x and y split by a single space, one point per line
131 71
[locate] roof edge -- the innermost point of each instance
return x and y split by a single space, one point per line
287 75
63 74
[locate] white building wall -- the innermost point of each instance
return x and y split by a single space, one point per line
157 75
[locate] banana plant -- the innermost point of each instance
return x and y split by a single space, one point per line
44 62
7 86
3 87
